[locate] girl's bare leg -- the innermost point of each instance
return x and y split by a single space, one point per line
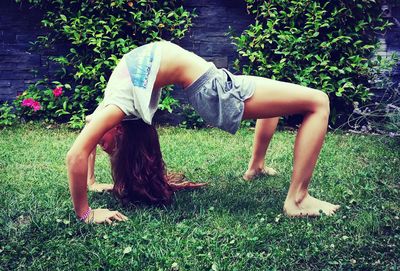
265 129
274 98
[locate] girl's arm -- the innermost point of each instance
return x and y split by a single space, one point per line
91 179
92 159
77 164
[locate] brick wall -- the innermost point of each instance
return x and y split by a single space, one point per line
390 42
208 39
20 67
17 29
208 36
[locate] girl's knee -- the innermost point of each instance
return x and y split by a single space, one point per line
321 103
324 100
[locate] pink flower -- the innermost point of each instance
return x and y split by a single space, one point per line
57 91
27 102
36 106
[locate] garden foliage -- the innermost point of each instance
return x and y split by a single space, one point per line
98 33
383 114
7 117
326 45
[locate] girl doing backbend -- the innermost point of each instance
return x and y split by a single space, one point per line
221 98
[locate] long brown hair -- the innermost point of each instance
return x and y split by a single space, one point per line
137 166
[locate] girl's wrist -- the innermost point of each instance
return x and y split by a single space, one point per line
85 215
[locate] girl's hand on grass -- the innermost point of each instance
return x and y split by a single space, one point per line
99 216
100 187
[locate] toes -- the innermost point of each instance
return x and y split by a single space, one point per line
247 177
330 212
252 174
269 171
333 210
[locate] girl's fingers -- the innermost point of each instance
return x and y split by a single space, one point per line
122 216
108 221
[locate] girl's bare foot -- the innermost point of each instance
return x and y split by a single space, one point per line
250 174
309 206
100 187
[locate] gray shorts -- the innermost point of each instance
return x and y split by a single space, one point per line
218 97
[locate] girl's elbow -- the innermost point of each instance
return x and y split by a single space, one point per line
73 158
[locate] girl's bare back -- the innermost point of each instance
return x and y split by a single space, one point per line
179 66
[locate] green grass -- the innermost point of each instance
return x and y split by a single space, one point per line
230 225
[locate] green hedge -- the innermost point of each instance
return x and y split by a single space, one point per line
97 34
325 45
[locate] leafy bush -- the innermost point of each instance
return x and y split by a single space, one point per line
190 118
168 102
325 45
98 33
7 116
46 103
41 102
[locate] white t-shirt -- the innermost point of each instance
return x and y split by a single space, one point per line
130 86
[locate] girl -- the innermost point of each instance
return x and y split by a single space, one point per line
221 98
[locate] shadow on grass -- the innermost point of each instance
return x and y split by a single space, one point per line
238 198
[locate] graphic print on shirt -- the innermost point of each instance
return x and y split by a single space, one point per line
139 63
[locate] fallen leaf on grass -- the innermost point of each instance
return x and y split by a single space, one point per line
127 250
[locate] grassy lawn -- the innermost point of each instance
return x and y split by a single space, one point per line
230 225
